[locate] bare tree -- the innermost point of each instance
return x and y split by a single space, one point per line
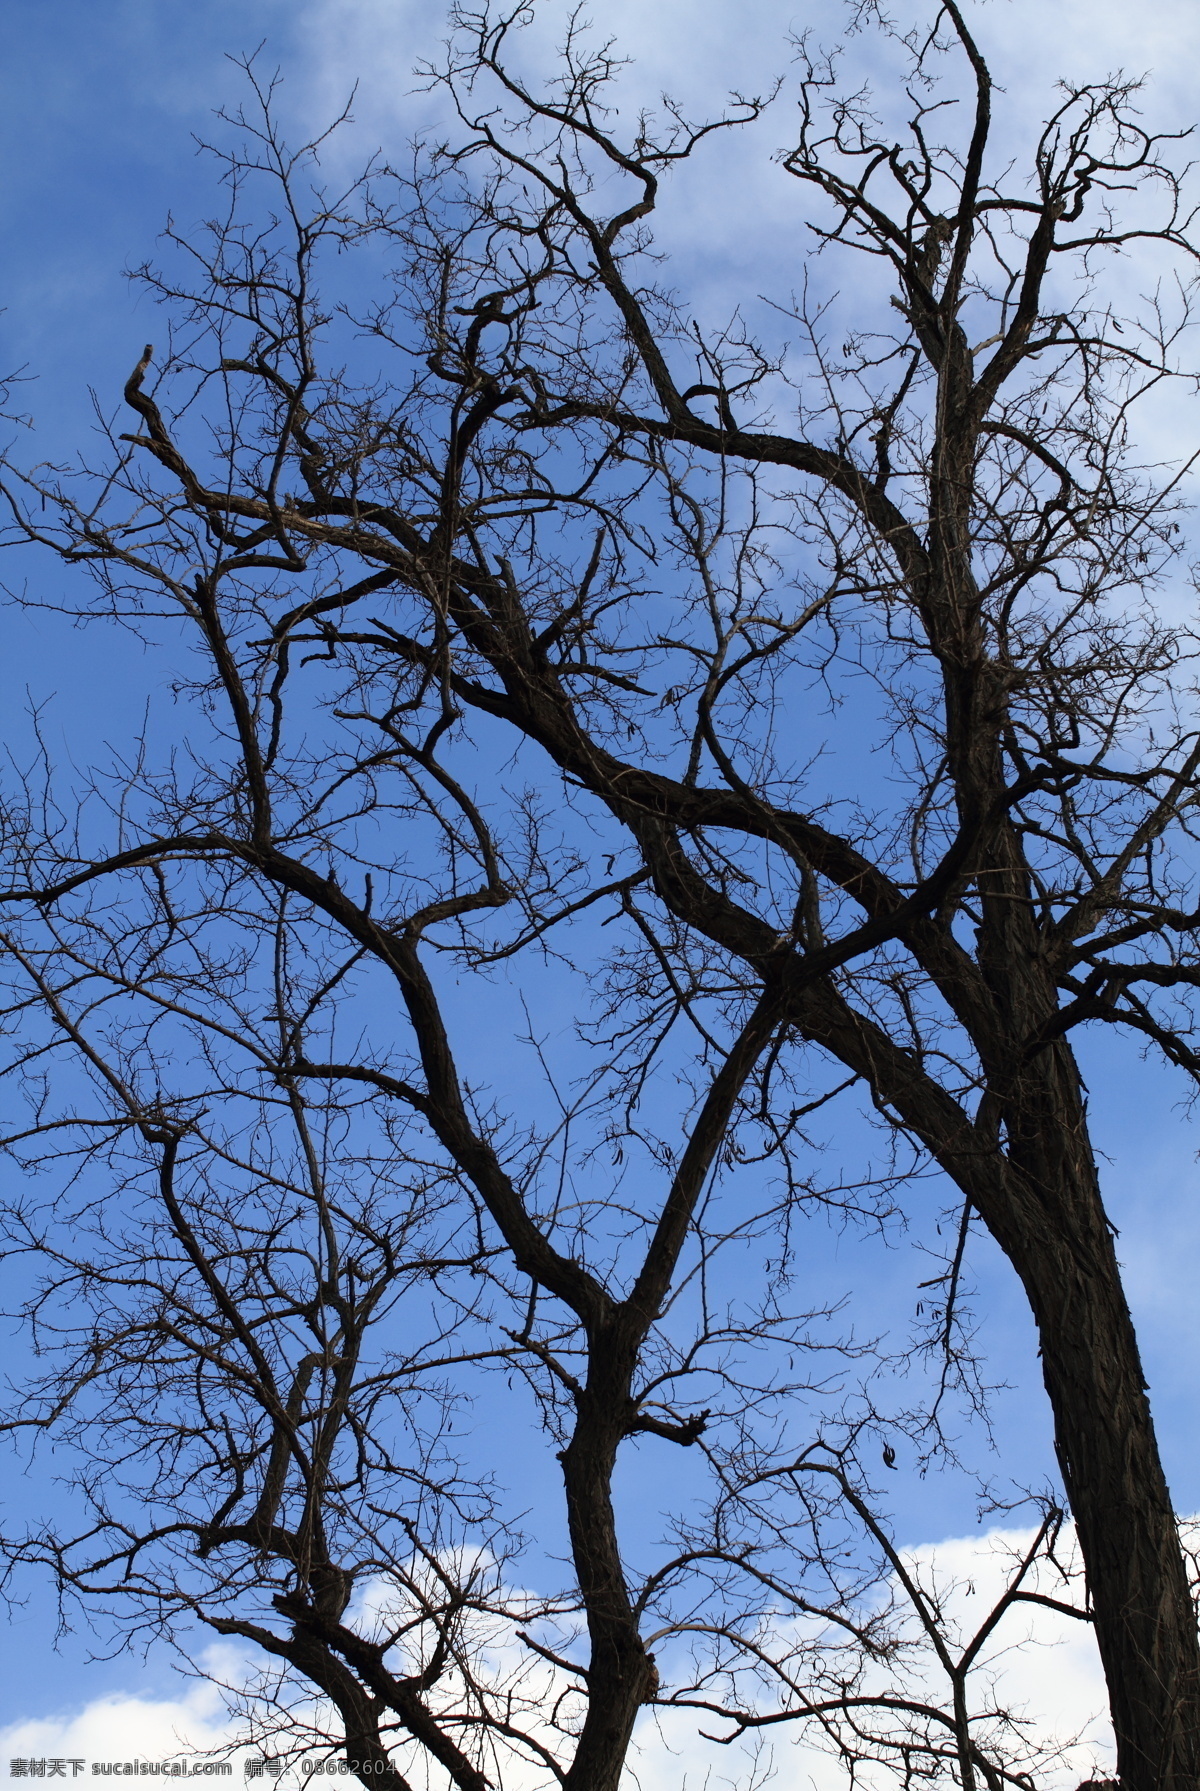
491 609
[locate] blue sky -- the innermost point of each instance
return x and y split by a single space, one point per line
101 99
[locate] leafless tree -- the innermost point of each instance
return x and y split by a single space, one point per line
523 630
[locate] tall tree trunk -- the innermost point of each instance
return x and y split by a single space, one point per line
1041 1201
1104 1434
1053 1227
619 1671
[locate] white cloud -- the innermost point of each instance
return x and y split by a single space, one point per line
702 48
1042 1667
732 222
126 1727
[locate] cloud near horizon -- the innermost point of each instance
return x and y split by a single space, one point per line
1043 1668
